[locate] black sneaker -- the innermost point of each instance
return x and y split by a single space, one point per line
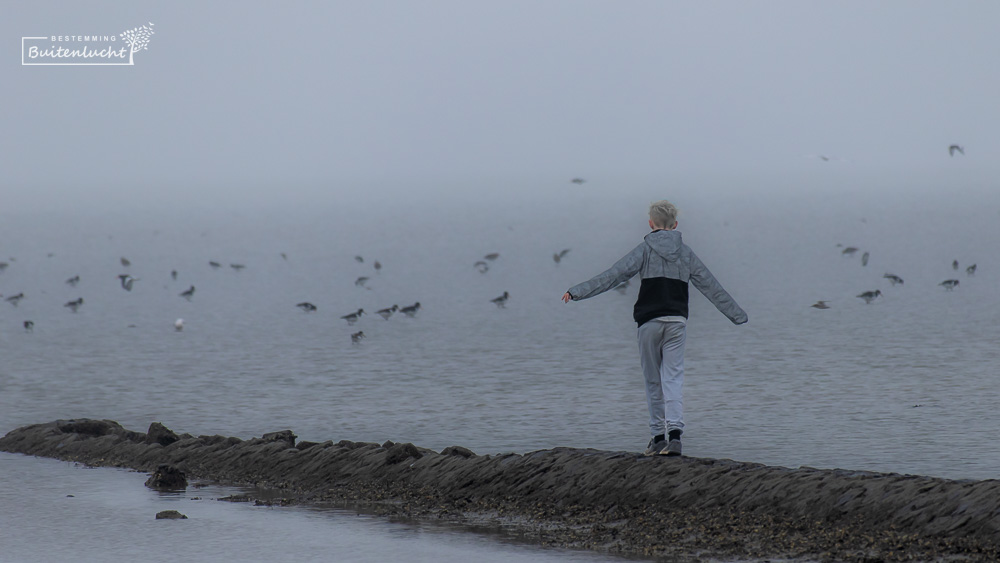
656 446
673 448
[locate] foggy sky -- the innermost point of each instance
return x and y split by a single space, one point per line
309 100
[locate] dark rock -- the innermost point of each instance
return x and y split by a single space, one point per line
88 427
280 436
305 444
170 515
167 477
458 451
388 444
402 452
160 434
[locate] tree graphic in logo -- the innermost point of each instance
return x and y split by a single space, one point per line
137 39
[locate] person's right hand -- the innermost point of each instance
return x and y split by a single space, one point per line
567 297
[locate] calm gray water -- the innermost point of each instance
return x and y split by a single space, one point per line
906 384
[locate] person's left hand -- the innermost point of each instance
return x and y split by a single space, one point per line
566 297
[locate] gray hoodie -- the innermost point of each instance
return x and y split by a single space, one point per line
665 264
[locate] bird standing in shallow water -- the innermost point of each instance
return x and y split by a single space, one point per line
387 312
949 284
29 326
411 310
893 279
357 336
864 259
971 270
378 267
820 305
15 299
173 274
73 280
870 296
353 317
74 305
954 264
179 325
188 294
501 301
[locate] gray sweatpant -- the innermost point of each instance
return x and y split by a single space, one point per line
661 353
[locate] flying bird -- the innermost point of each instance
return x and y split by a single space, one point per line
378 267
893 279
849 251
357 336
578 180
411 310
492 256
953 148
388 311
29 326
74 305
971 270
214 264
483 267
188 294
558 256
869 296
360 282
359 259
501 301
284 256
3 266
949 284
864 259
306 306
353 317
127 281
73 280
820 305
237 267
954 264
125 262
15 299
173 274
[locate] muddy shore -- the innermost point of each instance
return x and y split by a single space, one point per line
617 502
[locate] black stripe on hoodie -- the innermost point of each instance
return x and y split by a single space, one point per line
660 297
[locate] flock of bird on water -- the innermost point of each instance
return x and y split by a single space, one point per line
869 296
127 282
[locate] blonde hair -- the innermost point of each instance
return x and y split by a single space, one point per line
663 214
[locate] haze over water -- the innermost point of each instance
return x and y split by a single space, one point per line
427 135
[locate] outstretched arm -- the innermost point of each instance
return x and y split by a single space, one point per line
623 269
706 283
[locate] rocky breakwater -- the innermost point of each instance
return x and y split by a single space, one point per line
619 502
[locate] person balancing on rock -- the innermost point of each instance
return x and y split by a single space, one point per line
665 265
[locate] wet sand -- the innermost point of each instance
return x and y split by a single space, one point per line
617 502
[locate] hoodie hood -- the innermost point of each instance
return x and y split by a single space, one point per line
667 244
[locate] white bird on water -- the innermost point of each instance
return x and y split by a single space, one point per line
179 325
